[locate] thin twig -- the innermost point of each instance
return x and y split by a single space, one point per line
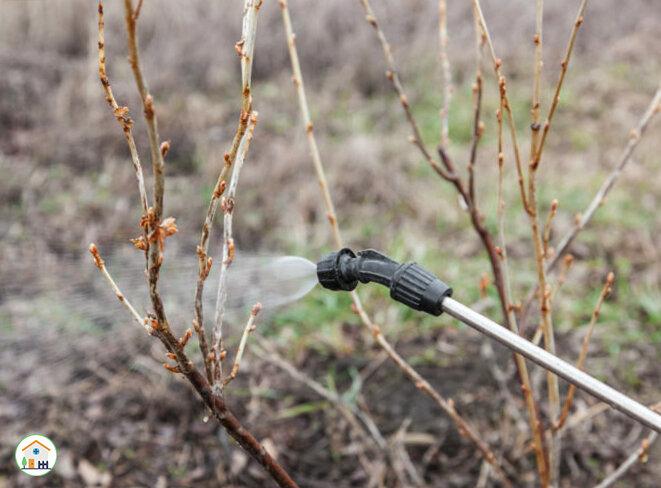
136 12
250 327
537 80
584 349
567 262
375 439
545 305
639 454
600 198
228 253
99 263
495 257
510 117
393 75
534 162
531 405
154 222
446 405
245 48
307 122
540 250
530 205
539 445
447 73
478 125
401 460
547 227
121 114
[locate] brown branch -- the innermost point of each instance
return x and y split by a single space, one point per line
539 445
537 80
495 257
534 162
156 231
533 213
447 73
600 198
508 108
155 255
547 228
584 349
245 48
234 428
545 305
447 405
307 122
639 454
215 403
393 76
250 327
478 125
121 114
228 204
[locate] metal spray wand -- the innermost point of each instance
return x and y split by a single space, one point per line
420 289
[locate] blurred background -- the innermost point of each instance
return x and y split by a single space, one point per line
77 369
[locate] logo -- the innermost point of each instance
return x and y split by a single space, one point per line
36 455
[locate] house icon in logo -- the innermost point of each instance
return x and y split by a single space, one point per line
36 455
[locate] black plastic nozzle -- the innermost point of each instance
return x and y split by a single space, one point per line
409 283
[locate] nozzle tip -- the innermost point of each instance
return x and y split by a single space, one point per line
329 270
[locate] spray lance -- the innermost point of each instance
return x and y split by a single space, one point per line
420 289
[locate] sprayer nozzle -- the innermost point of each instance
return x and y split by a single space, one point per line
409 283
331 270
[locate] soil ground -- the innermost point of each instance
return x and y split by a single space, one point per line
77 370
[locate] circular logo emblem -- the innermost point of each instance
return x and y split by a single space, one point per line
36 455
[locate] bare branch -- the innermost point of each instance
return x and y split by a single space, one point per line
537 80
156 232
447 73
99 263
393 75
307 121
446 405
245 48
510 117
534 163
478 125
636 456
228 252
584 349
531 405
476 218
600 198
268 353
547 227
121 114
155 256
250 327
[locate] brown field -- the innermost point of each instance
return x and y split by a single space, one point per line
74 366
